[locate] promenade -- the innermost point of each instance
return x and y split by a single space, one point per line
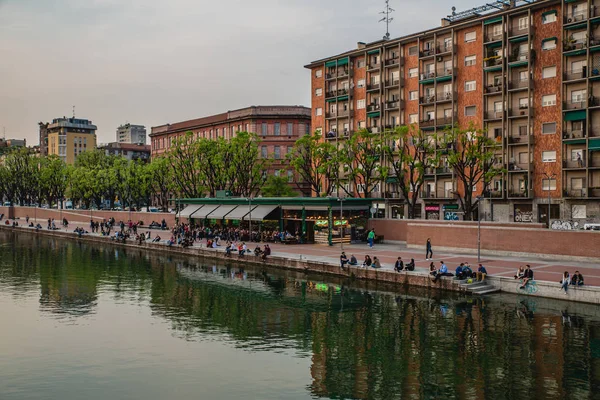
497 266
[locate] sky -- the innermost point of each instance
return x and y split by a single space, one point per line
153 62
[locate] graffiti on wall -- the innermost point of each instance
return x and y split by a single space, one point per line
564 225
450 216
523 215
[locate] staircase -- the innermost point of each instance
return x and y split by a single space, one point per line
478 288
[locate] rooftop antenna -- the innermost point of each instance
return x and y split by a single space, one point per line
387 19
73 111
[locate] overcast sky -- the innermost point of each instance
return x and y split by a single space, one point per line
152 62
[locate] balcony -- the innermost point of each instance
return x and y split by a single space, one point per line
493 37
332 135
520 57
492 115
334 93
575 193
429 171
443 171
426 194
444 72
518 167
443 48
392 105
427 75
492 62
522 194
342 74
519 84
392 61
427 52
373 107
574 164
373 65
575 74
573 46
494 194
493 89
394 82
426 123
519 140
337 114
518 30
445 194
574 134
445 96
522 111
570 18
427 99
575 105
594 192
373 86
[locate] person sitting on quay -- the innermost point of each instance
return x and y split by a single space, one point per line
367 262
399 265
353 260
15 224
156 239
481 273
459 271
565 282
577 279
411 265
257 250
343 260
38 227
171 241
443 271
432 270
527 276
79 231
467 271
520 272
376 263
266 252
242 250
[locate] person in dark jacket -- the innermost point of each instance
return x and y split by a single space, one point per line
527 276
411 265
428 252
399 266
577 279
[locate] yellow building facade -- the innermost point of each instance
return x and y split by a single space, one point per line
69 137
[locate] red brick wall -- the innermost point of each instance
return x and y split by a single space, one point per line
318 101
359 93
547 58
410 84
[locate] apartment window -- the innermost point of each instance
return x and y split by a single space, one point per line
413 51
549 100
470 37
549 72
549 17
277 128
447 113
319 111
577 66
276 173
318 73
290 175
263 151
548 184
470 60
470 86
318 92
413 118
361 124
523 23
523 76
576 183
549 156
497 30
277 151
360 63
578 96
290 129
360 104
549 128
263 129
360 84
498 106
414 95
289 150
470 111
413 72
523 103
549 44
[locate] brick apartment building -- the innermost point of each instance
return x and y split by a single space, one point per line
277 126
526 72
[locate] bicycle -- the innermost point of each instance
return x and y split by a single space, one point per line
530 287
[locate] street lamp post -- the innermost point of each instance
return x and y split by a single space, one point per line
549 178
341 223
250 217
478 229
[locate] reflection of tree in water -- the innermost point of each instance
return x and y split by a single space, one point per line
362 344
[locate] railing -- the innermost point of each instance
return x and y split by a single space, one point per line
427 75
493 89
392 61
446 194
373 107
525 139
494 114
392 104
427 99
444 72
492 63
594 162
518 57
574 164
373 86
518 193
575 17
429 171
516 30
492 37
343 113
521 111
392 82
373 65
427 52
427 195
519 83
574 105
443 170
446 96
331 114
569 192
574 134
594 192
575 74
342 73
574 46
444 48
518 167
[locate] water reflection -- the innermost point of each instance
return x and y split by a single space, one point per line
363 341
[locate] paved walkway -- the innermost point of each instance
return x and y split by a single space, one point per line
544 270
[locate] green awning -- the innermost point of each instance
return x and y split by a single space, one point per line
548 12
391 179
374 114
575 115
492 20
373 51
330 100
518 64
594 49
576 26
578 141
519 39
549 39
494 45
426 81
342 98
494 68
444 78
342 61
329 64
575 53
594 145
594 20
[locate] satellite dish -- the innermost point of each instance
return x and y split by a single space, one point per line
453 10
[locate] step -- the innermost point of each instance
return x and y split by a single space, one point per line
473 285
489 290
478 288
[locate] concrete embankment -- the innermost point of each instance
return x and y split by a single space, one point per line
586 294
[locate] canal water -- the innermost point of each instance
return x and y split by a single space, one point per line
83 321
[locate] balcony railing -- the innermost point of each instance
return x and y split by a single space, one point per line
519 83
392 61
574 134
492 62
443 170
519 112
427 99
342 73
518 193
575 74
427 123
525 139
427 75
594 192
494 114
373 65
373 107
393 82
569 192
446 194
575 16
493 88
574 164
445 47
444 72
390 105
446 96
518 167
517 30
427 52
492 37
518 57
374 86
495 194
428 194
574 105
574 46
594 162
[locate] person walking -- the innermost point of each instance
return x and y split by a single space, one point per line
565 282
428 252
371 237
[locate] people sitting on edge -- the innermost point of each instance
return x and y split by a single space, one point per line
411 265
432 270
31 224
367 262
467 271
459 271
527 276
520 272
376 263
565 281
577 279
15 224
353 260
481 273
156 239
266 252
257 250
171 241
343 260
228 248
399 266
443 271
241 250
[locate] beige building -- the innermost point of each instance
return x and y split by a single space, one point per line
69 137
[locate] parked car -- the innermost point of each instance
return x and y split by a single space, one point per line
7 204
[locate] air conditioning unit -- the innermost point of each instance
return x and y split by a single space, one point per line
440 59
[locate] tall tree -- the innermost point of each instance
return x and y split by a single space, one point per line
184 160
246 168
23 170
315 163
160 172
471 154
360 157
53 179
409 153
277 186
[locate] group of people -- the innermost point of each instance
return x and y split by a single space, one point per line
525 274
463 271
